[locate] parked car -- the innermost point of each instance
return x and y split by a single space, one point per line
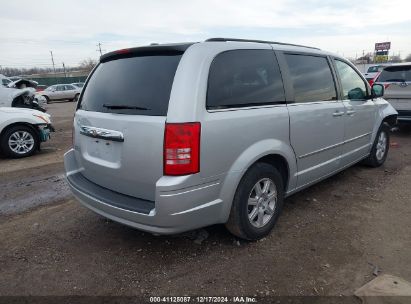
22 131
372 72
61 92
21 94
397 82
78 84
194 134
4 81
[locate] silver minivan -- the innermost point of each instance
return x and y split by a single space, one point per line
221 131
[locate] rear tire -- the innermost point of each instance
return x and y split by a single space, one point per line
19 141
257 203
76 97
379 150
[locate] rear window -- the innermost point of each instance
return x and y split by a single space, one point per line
396 74
134 85
242 78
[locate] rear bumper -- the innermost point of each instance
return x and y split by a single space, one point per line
174 210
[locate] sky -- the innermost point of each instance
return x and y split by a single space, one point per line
29 30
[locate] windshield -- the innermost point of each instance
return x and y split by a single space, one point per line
5 81
134 85
373 69
396 74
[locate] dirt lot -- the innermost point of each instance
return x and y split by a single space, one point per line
328 241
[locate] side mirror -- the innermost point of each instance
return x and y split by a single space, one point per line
377 90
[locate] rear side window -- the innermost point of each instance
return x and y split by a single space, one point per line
242 78
311 78
132 85
396 74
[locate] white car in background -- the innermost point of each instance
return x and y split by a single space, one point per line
22 131
373 71
59 92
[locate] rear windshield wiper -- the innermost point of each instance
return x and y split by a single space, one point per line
395 80
124 107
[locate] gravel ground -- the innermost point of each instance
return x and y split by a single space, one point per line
328 241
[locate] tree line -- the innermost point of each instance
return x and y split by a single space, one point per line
85 65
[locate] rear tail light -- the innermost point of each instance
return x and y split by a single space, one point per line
182 148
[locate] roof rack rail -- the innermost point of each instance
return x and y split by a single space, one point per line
257 41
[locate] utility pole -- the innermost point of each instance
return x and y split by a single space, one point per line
64 68
363 58
52 60
99 49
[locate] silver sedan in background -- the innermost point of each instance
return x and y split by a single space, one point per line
61 92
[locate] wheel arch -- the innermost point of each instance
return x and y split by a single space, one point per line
26 124
391 120
280 163
271 151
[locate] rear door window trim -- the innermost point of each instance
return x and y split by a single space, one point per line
246 106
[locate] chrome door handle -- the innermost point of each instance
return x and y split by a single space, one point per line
102 133
338 113
350 112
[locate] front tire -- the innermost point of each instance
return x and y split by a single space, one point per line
47 99
379 150
19 141
257 203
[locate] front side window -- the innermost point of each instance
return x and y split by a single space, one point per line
242 78
311 78
353 85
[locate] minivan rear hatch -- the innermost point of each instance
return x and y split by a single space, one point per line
120 119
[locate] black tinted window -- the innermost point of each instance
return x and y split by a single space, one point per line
311 77
396 74
136 85
243 78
